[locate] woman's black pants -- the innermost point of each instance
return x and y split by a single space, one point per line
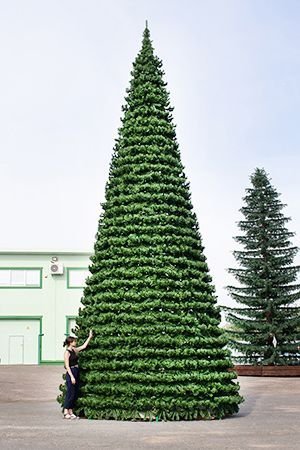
72 389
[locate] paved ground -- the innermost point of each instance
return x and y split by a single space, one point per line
30 418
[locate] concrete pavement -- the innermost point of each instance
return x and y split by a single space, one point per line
30 418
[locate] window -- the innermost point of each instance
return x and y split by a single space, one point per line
19 277
32 277
76 277
4 277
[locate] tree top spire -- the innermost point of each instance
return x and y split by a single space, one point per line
146 33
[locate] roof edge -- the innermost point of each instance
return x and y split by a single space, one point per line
45 252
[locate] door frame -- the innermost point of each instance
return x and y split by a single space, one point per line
40 320
68 319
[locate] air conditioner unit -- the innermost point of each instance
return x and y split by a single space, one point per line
56 269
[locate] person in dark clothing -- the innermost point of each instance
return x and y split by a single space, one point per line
72 375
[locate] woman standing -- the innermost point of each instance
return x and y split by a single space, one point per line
72 376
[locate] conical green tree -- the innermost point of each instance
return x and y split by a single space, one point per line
266 328
158 351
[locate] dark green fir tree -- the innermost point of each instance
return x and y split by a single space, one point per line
158 351
265 330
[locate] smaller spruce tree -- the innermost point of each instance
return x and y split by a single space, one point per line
266 329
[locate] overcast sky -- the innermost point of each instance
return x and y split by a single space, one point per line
233 71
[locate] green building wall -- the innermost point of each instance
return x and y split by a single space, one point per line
35 319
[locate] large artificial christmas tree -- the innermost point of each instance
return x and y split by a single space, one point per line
158 351
266 329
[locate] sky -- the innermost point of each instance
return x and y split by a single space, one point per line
233 72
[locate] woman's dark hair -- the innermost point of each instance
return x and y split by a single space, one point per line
68 341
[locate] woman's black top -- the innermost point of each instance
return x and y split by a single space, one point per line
73 360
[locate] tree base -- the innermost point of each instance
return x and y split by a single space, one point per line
267 371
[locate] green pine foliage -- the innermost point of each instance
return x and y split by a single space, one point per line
266 328
158 351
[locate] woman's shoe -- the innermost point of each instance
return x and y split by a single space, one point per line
67 416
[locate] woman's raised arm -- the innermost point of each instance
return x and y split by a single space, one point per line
83 346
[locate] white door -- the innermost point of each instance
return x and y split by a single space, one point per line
19 341
16 350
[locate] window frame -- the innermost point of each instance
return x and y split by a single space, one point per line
68 269
40 286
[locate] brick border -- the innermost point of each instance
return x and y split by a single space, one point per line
267 371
